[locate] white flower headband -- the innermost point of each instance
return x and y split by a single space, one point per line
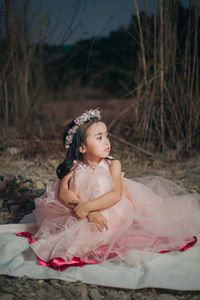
89 115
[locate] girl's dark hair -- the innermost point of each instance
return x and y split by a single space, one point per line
73 153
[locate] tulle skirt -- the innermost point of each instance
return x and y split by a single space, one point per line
154 215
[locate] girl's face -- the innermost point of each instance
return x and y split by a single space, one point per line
97 144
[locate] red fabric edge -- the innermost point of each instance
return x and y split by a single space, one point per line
60 264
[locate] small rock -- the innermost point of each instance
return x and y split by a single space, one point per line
39 185
39 192
26 184
6 296
55 283
95 295
23 279
165 297
13 150
40 281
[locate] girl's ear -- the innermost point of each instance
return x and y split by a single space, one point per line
82 148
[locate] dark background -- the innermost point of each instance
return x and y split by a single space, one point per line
137 60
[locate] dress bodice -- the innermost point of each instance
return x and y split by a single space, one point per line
87 183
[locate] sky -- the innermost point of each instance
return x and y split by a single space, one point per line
67 21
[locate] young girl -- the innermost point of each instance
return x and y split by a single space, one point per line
92 212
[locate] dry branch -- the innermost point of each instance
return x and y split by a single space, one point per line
139 149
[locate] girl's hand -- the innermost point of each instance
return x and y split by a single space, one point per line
73 203
98 219
81 211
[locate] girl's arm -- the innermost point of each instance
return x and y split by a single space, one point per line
65 195
106 200
70 200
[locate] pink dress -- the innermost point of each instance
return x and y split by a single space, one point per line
155 215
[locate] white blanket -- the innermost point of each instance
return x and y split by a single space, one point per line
179 270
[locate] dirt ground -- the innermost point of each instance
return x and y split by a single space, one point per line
28 166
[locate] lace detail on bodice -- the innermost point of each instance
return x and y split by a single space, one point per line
81 165
88 183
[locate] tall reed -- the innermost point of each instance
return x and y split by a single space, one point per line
167 115
23 34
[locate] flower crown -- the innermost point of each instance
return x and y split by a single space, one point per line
89 115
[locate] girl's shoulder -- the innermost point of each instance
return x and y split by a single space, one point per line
113 162
115 166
